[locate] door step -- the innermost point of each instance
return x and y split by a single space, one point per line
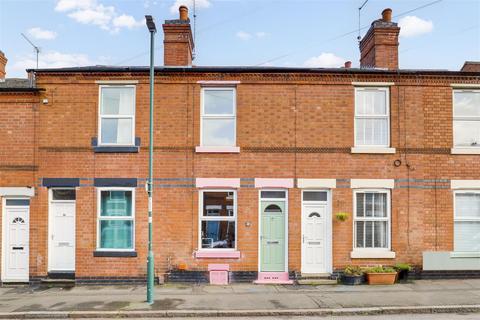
316 281
273 278
325 275
57 282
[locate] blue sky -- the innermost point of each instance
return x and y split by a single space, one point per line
235 32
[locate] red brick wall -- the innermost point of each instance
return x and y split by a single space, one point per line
288 126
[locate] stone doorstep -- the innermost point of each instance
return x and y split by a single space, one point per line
317 281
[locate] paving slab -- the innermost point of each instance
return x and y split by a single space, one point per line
241 298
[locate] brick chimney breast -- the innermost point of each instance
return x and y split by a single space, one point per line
3 64
471 66
379 47
178 40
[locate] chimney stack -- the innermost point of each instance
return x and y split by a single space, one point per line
348 64
178 40
471 66
3 63
379 47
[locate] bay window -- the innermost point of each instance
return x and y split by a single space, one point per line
218 216
116 216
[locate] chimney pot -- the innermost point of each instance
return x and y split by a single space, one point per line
348 64
3 63
387 15
183 13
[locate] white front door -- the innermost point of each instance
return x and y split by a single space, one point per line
315 240
62 235
16 237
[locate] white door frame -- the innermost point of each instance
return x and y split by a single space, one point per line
328 222
260 223
4 233
50 225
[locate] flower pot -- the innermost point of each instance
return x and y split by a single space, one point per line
381 278
402 276
353 280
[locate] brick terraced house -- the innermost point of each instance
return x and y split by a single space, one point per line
252 167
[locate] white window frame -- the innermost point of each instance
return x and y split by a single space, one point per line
463 118
99 217
204 116
100 116
201 218
387 116
462 219
388 219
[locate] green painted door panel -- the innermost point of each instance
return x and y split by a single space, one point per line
273 236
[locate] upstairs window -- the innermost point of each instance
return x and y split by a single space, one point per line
372 117
218 117
117 115
466 118
467 221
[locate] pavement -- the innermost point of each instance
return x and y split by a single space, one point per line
202 300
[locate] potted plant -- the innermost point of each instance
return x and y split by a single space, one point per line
353 275
341 216
403 269
381 275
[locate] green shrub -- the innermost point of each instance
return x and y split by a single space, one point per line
353 271
341 216
403 267
380 269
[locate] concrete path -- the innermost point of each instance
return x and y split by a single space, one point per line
176 299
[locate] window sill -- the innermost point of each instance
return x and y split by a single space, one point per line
115 254
379 150
115 149
473 150
202 149
464 254
372 254
207 254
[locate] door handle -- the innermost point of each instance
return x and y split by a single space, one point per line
17 248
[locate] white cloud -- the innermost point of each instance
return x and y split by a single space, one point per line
261 34
199 4
127 21
94 13
411 26
244 35
42 34
99 15
50 59
325 60
247 36
67 5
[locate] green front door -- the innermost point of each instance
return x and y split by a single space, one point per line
272 236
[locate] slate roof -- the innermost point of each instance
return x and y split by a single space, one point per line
16 84
247 69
